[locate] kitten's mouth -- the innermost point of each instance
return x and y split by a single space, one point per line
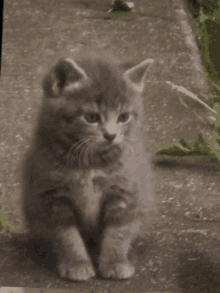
106 147
111 154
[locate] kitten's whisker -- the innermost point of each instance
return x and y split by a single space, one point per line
82 152
91 152
90 149
74 148
80 155
71 149
84 159
87 139
89 158
86 153
84 146
79 146
78 149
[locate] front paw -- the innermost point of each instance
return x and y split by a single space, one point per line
123 270
76 272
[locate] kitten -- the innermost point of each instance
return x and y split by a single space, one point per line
86 175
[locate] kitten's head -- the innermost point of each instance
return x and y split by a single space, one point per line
91 108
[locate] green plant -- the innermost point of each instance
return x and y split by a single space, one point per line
4 223
207 28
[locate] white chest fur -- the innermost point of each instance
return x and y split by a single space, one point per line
87 197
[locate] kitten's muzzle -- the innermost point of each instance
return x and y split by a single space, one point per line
111 154
109 136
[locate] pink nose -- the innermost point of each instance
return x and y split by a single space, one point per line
109 137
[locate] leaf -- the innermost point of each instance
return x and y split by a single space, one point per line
4 222
181 148
175 149
200 147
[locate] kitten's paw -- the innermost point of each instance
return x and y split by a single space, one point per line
77 272
116 270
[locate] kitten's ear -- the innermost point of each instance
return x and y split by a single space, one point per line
136 75
66 73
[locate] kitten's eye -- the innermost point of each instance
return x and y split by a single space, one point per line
124 117
92 117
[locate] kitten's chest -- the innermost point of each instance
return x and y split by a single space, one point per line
87 196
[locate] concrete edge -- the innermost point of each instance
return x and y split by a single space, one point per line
183 18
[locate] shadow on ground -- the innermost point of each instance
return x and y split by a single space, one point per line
194 164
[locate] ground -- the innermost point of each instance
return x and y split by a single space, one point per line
182 252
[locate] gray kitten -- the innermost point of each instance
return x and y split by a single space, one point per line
86 175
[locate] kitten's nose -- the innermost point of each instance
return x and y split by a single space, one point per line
110 137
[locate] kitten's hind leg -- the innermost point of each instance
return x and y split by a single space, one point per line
73 260
113 261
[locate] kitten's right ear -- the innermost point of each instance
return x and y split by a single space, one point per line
137 74
65 74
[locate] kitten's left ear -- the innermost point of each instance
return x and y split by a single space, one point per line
136 75
65 74
69 72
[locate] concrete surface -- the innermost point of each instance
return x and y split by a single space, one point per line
182 252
